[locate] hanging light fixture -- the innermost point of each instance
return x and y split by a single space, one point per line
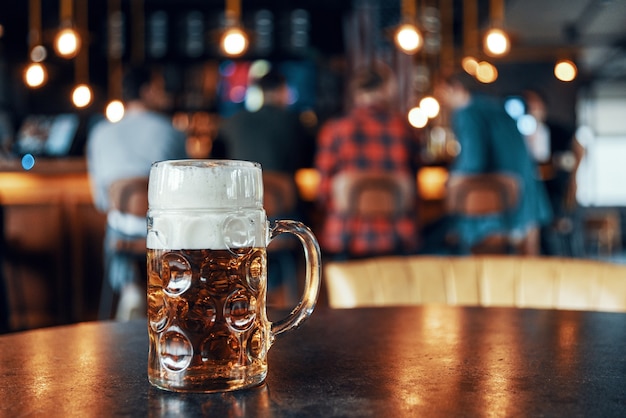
234 41
67 42
82 95
407 36
115 110
35 74
470 37
496 41
565 70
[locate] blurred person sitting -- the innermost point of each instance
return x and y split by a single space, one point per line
557 151
271 135
124 150
491 143
371 136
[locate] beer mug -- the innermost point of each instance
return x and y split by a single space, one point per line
207 276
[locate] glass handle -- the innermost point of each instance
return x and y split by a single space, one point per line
313 259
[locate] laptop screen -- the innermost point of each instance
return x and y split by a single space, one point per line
47 135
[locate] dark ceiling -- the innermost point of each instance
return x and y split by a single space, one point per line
591 31
594 31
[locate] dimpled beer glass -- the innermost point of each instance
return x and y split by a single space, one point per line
207 278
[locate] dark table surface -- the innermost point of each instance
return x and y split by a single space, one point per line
412 361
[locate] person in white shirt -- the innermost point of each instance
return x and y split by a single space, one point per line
127 149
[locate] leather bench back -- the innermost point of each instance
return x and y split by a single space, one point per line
510 281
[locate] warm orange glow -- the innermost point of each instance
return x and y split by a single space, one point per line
82 96
431 182
486 72
307 180
35 75
565 70
234 42
496 42
408 39
417 117
114 111
67 43
470 65
430 106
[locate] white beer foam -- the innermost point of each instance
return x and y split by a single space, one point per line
203 184
195 230
203 204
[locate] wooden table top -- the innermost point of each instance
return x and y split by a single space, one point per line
396 362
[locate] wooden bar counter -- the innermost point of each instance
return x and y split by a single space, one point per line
53 239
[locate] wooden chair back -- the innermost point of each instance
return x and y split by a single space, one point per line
130 196
483 195
374 193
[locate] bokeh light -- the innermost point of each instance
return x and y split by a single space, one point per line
38 53
470 65
514 106
430 106
28 161
67 43
486 72
417 117
82 96
408 39
35 75
496 42
565 70
527 124
234 42
114 111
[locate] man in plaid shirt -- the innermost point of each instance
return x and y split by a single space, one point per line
370 136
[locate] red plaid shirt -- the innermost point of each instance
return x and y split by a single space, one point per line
366 139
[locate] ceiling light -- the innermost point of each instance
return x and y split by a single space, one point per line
496 42
114 111
408 38
67 43
35 75
234 42
82 96
565 70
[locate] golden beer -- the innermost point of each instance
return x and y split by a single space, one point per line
207 326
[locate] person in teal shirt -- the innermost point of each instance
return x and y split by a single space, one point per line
491 143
